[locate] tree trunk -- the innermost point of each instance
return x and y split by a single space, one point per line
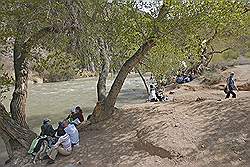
104 110
14 135
18 102
143 80
125 69
91 66
103 75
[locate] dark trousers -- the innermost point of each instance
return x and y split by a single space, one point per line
231 92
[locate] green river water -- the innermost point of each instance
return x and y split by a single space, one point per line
54 100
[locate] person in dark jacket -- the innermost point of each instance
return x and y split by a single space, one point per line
47 129
231 86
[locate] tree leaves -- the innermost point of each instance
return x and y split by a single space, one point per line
5 82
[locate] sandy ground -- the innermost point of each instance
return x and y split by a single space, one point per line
196 128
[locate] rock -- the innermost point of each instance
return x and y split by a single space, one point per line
244 87
36 80
69 165
171 92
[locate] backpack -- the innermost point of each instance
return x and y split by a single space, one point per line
226 90
36 145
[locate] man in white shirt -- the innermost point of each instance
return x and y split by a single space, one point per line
62 146
73 133
152 95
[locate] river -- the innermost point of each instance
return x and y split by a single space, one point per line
54 100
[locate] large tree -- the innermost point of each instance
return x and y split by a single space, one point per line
194 33
121 35
118 31
27 22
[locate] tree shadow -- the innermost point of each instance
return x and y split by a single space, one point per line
115 142
224 134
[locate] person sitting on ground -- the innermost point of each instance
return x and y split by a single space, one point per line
62 146
47 129
160 96
48 132
76 116
152 95
152 80
46 138
231 86
79 114
179 79
73 133
186 79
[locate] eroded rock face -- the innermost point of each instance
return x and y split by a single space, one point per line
241 86
244 87
37 80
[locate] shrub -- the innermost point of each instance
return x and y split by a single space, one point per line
211 77
5 82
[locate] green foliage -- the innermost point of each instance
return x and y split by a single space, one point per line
57 66
164 60
5 82
189 31
23 18
211 77
122 27
180 29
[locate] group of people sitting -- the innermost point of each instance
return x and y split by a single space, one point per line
180 79
62 140
156 94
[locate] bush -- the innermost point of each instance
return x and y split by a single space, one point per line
5 82
211 77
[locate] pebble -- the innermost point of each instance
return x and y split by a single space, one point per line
69 165
171 92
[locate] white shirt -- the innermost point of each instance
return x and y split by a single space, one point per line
152 95
65 141
76 121
73 133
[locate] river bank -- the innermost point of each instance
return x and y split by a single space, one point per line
54 100
196 128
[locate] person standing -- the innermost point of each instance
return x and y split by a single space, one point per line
231 86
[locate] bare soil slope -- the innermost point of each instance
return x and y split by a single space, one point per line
189 133
197 128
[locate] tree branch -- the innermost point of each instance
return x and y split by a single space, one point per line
29 43
218 52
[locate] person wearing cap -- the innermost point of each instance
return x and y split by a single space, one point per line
231 86
62 146
47 129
